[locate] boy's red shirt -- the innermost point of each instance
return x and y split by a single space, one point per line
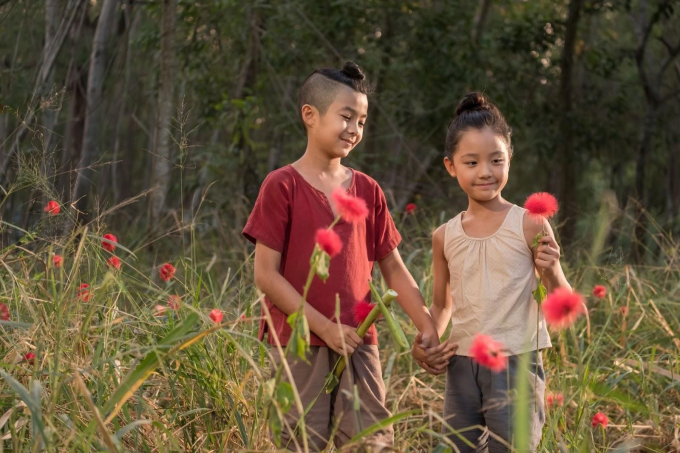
286 216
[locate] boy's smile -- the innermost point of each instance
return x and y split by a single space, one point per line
341 128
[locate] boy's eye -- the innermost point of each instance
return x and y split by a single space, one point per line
361 124
347 117
498 161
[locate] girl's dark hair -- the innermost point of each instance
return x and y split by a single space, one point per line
320 87
475 111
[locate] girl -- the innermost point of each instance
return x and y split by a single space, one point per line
484 275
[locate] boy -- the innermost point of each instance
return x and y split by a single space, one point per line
292 205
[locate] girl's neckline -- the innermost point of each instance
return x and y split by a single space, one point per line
505 219
321 193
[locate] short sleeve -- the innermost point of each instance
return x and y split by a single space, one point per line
269 221
387 238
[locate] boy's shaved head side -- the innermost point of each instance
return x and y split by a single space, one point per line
321 87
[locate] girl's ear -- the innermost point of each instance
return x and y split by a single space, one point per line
310 115
448 163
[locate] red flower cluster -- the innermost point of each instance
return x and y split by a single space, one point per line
352 209
29 357
84 293
599 419
113 262
599 291
328 241
57 260
541 205
52 207
555 399
108 245
410 208
167 272
174 302
488 353
4 312
361 311
562 307
216 316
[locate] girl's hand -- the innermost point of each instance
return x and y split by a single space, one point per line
434 360
547 256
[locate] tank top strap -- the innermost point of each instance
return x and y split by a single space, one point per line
453 230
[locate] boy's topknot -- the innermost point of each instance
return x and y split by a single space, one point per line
320 88
475 111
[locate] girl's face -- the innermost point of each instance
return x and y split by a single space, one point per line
480 163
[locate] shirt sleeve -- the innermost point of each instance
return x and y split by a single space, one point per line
269 221
387 238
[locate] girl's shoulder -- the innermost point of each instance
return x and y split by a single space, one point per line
440 234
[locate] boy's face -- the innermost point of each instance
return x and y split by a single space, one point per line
480 163
341 128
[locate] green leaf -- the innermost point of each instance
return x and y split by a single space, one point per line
331 382
395 329
322 265
299 338
540 293
535 243
31 403
275 427
285 396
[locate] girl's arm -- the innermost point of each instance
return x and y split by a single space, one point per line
442 303
546 255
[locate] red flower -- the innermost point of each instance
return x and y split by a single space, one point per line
556 399
352 209
328 241
57 260
599 419
361 311
243 317
624 310
174 302
84 293
562 307
487 352
29 357
107 245
167 272
599 291
4 312
541 205
159 310
52 207
410 208
113 262
216 316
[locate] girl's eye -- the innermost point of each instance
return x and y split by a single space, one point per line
470 163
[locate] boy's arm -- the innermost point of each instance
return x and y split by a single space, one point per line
399 279
282 294
546 255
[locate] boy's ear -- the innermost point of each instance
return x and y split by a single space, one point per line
310 115
448 163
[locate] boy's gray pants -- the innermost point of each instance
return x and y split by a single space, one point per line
476 395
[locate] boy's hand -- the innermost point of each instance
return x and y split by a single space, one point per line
547 255
335 336
428 339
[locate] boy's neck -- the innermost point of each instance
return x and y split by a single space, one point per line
483 207
317 161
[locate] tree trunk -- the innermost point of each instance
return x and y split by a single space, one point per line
162 162
566 158
49 114
94 112
480 20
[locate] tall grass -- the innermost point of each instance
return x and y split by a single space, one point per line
114 373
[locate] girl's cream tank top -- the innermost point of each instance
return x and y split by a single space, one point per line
492 279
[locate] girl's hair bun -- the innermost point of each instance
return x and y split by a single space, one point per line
474 101
353 71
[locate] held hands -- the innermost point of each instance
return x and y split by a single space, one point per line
547 256
335 336
432 358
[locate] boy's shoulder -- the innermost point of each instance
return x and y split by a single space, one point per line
363 182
